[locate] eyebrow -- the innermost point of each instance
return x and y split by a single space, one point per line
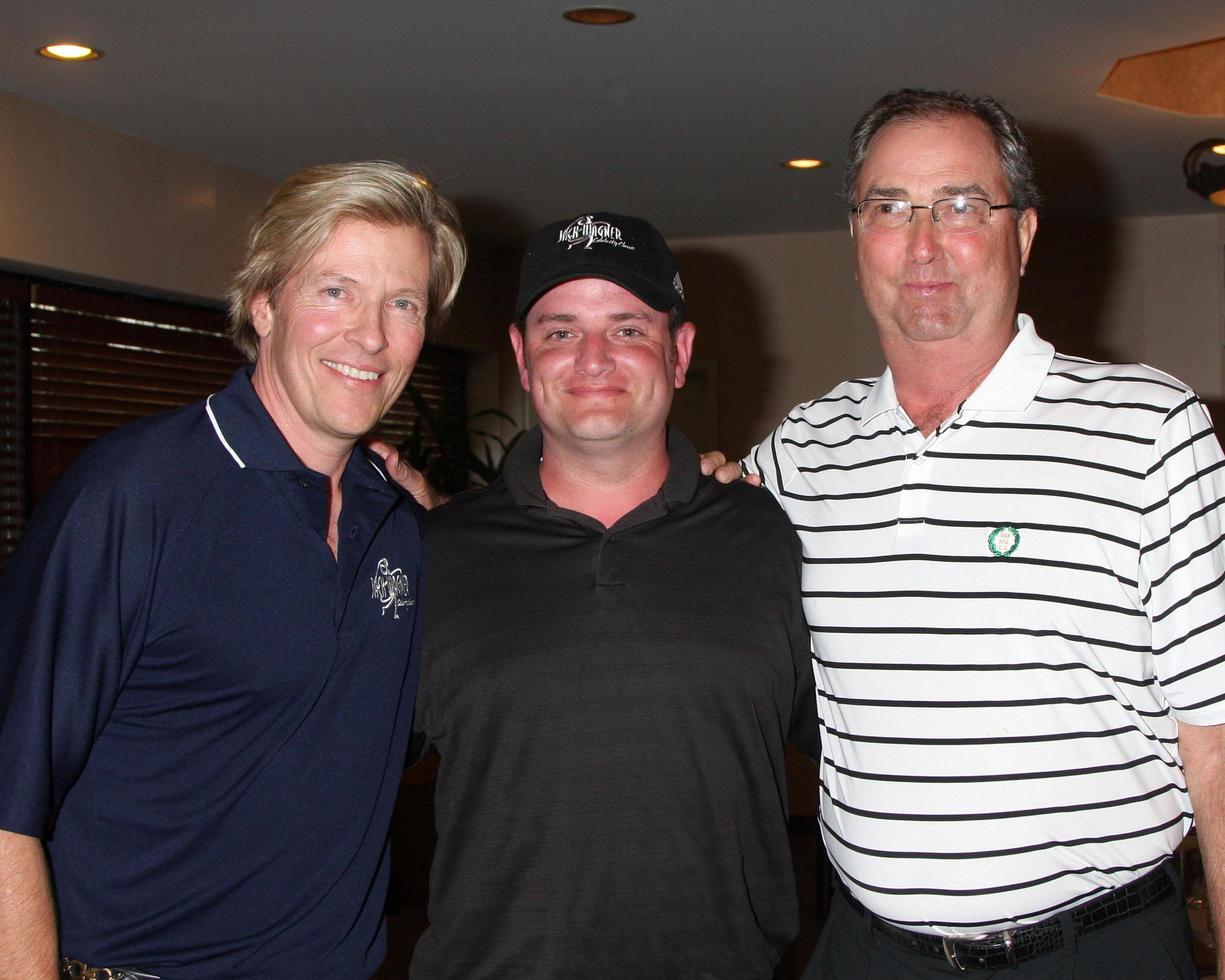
574 317
952 190
893 193
329 275
344 279
946 190
412 292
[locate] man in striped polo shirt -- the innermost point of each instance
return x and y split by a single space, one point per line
1013 577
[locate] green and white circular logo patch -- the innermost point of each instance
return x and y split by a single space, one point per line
1004 540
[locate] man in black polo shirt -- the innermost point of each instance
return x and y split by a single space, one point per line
208 634
615 658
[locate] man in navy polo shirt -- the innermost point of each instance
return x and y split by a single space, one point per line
208 634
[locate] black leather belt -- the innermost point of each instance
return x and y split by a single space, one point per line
1011 947
76 970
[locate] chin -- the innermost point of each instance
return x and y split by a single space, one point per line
932 325
594 431
353 426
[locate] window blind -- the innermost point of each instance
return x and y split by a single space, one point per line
14 440
76 362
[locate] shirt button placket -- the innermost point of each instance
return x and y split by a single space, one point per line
912 501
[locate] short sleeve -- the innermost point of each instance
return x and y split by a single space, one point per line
1182 564
769 460
69 601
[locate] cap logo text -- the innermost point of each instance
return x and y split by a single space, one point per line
586 231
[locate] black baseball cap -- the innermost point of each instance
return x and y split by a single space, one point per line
616 247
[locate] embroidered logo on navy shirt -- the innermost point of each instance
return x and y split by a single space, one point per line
390 587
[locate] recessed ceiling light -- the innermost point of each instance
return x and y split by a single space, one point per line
1219 148
598 16
803 163
68 51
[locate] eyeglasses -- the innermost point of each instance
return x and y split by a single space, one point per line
958 215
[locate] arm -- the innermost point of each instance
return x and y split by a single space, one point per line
1203 758
67 595
412 481
1179 570
27 914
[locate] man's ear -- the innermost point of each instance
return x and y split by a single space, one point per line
683 345
516 341
1027 228
261 314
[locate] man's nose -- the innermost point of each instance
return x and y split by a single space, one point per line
594 355
922 234
368 329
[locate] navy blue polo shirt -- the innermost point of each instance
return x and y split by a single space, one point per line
204 713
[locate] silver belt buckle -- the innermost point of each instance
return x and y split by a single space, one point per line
76 970
950 947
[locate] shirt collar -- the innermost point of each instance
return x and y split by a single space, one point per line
882 398
1017 375
522 475
1010 386
247 433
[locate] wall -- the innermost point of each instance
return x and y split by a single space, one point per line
1146 289
780 319
779 316
85 200
478 325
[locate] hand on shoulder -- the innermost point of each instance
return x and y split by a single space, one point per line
411 480
715 464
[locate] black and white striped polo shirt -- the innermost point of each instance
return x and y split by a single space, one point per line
1009 616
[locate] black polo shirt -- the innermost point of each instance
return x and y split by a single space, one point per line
611 707
201 710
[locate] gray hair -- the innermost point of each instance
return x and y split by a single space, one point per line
919 104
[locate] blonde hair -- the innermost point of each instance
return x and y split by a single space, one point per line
304 211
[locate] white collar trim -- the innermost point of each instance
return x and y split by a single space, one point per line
208 407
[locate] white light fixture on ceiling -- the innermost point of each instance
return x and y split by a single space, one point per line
69 51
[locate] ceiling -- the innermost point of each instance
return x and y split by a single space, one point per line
680 115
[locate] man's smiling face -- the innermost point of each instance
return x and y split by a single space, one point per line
923 284
601 366
341 337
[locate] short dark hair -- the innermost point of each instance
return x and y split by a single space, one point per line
918 104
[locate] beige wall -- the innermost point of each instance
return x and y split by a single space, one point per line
779 316
1143 289
85 200
780 319
478 325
